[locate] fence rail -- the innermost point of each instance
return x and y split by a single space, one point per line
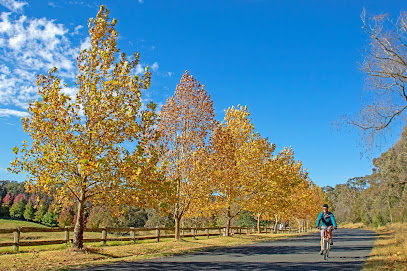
159 233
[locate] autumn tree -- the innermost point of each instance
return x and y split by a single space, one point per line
8 200
65 217
263 181
229 154
286 173
306 202
18 208
385 67
77 153
186 121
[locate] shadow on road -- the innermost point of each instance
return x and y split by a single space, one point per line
350 250
323 266
269 250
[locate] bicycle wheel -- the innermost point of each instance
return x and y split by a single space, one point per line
328 247
325 245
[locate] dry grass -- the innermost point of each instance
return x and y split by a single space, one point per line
353 226
390 249
42 236
31 236
63 259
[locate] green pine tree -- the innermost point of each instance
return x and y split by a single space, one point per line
29 211
50 218
41 211
18 208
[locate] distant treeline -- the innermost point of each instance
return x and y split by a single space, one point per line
378 198
17 204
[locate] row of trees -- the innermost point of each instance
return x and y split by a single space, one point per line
378 198
42 209
102 149
225 167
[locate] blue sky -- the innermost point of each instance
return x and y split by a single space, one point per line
293 63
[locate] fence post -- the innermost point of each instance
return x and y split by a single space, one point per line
207 233
247 230
220 232
132 234
16 238
104 236
157 233
67 235
193 233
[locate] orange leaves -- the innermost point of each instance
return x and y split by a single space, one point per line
75 151
186 121
185 163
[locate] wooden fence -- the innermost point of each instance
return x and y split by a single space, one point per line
131 234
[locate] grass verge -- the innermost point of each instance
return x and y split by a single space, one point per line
68 258
390 248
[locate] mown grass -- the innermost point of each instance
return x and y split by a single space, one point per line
12 223
95 254
390 247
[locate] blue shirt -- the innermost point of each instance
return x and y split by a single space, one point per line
326 220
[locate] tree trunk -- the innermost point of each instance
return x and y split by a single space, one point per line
391 216
300 226
275 224
229 219
258 222
228 222
177 227
78 231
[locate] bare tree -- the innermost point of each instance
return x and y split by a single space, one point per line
385 67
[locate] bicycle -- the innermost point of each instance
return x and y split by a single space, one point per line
326 242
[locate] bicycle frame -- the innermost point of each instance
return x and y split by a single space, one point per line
326 244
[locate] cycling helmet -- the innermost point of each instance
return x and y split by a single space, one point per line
325 205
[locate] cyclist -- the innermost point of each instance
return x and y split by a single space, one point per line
327 221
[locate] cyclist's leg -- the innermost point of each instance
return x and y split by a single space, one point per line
330 235
323 229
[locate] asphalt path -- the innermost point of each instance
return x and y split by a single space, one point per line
349 252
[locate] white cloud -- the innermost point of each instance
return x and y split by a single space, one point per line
85 44
76 30
139 69
10 112
13 5
31 46
70 91
141 1
169 74
88 4
155 66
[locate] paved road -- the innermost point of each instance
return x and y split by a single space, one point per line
350 250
